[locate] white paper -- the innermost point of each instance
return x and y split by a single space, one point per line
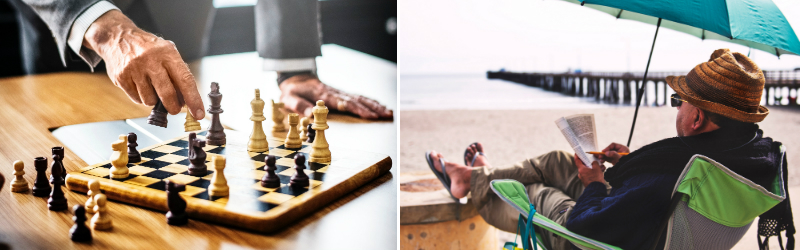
580 132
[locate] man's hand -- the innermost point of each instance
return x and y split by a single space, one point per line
612 151
143 65
589 175
300 92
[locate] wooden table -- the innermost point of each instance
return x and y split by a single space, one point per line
364 219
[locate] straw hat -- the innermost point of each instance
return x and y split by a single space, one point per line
729 84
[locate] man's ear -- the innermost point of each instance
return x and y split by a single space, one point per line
699 118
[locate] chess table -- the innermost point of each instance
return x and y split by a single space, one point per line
365 218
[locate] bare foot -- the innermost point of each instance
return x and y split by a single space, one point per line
460 175
472 150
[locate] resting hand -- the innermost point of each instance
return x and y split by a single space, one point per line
589 175
611 152
299 94
143 65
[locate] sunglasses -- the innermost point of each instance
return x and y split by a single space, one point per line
676 100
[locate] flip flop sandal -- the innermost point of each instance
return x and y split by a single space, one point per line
470 164
441 175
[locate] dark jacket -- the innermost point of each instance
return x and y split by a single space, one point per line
628 217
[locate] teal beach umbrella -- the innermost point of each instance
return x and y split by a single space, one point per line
758 24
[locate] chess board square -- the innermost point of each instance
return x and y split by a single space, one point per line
130 176
158 174
174 168
316 176
223 200
204 133
142 181
166 149
257 174
292 171
274 143
285 179
143 160
151 154
291 191
257 164
259 157
182 178
306 150
257 186
99 172
315 166
180 143
280 152
219 150
208 177
322 170
87 168
285 161
201 183
209 147
106 166
171 158
192 191
314 183
140 170
182 152
156 164
275 198
161 185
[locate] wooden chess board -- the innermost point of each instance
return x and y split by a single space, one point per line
249 205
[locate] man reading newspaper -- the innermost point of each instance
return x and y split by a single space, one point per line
718 106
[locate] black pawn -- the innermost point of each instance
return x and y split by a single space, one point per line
177 205
80 232
299 179
58 157
57 201
133 154
158 116
270 179
311 133
41 188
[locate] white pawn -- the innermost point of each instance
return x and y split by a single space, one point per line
293 137
119 158
219 186
101 220
302 128
94 188
19 184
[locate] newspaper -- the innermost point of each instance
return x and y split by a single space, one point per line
581 134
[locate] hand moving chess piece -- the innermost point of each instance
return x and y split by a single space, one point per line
216 133
302 128
79 232
197 156
94 188
158 116
57 201
191 124
41 188
133 154
101 220
293 137
258 140
299 179
19 184
176 204
311 133
58 156
270 179
119 158
319 148
219 186
277 117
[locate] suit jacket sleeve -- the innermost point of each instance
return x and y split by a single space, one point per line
59 16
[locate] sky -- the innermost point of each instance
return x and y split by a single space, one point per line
472 36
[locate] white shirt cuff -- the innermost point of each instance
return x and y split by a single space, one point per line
78 30
292 64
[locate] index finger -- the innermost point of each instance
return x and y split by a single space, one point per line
184 82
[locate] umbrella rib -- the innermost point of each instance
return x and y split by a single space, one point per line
620 13
640 91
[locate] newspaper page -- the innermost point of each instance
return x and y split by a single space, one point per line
580 132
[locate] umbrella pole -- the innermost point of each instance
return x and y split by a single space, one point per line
640 91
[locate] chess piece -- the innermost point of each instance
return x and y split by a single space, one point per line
293 137
19 184
119 158
258 140
197 156
270 179
302 128
57 201
41 188
158 116
311 133
299 179
191 124
101 220
277 117
216 133
219 186
58 156
133 154
79 232
319 148
176 204
94 188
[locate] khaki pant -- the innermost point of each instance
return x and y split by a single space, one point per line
553 186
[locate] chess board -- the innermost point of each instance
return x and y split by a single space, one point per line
249 205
